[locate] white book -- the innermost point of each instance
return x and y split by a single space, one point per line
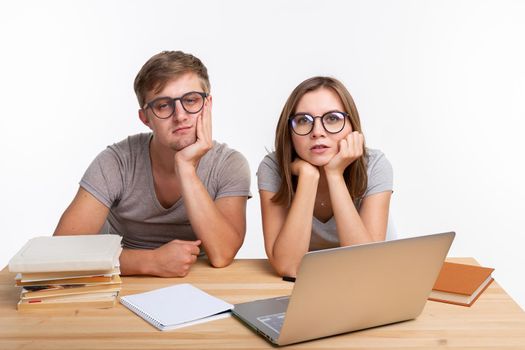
68 253
176 306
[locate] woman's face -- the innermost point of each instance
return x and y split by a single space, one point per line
319 146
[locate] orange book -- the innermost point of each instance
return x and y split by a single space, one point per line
96 301
460 284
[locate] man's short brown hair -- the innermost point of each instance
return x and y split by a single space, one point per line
165 66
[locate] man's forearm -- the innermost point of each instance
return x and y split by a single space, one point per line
220 239
137 262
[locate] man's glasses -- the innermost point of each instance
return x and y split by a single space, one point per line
164 107
333 122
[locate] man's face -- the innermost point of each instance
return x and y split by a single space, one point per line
179 130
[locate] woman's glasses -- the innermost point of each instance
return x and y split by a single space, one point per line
333 122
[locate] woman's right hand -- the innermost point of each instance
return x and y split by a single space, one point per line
300 167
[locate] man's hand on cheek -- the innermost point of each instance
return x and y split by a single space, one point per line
190 155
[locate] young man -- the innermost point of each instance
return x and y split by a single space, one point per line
170 192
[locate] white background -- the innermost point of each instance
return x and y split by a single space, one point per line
440 86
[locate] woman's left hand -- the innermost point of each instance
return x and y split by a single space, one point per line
350 148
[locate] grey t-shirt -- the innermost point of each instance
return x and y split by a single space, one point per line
324 235
121 178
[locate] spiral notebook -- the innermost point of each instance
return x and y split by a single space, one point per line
176 306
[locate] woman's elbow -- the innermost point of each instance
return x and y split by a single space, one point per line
284 269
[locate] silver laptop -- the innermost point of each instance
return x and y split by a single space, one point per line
351 288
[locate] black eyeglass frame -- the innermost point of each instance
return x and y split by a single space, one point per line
174 102
291 118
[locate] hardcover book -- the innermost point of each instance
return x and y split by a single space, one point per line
68 253
461 284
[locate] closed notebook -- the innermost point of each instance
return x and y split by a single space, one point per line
176 306
461 284
68 253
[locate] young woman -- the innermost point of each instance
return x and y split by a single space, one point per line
321 188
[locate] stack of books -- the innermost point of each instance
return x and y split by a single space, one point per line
68 271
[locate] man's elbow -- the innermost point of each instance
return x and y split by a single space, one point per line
221 261
222 257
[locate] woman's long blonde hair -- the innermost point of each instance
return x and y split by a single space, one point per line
355 175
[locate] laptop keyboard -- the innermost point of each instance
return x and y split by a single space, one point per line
275 321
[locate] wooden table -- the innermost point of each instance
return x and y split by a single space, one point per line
495 321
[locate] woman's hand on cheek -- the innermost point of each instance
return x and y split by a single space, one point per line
301 167
350 148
